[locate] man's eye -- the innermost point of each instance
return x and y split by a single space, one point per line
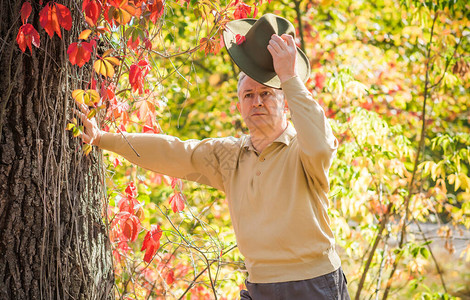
263 94
248 95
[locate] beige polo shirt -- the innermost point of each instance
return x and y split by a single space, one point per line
277 198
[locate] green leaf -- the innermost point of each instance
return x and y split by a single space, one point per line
424 252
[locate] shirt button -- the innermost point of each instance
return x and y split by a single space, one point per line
258 173
262 158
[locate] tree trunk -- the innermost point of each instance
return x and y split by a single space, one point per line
53 239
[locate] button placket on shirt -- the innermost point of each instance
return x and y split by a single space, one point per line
261 159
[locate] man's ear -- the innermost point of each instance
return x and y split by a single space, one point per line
238 107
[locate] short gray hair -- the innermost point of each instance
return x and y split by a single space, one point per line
241 76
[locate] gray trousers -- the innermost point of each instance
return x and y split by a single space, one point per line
329 286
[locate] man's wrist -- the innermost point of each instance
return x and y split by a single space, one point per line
286 77
96 141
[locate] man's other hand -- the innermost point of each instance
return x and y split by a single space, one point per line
91 132
284 53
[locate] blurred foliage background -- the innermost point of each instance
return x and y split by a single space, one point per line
392 76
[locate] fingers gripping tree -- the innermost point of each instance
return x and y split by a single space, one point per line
53 242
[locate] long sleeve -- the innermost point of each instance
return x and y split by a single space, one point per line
316 140
201 161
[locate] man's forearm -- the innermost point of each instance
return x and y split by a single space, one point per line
192 160
313 129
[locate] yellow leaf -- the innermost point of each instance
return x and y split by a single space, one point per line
76 131
87 149
109 68
464 181
84 34
78 96
91 114
92 97
107 52
451 178
105 66
436 171
70 126
97 66
457 183
89 97
101 68
113 60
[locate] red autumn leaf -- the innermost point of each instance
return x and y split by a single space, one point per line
27 35
93 83
148 44
116 109
151 242
149 129
132 206
25 12
120 12
319 80
176 181
144 64
122 247
156 10
79 53
107 92
131 190
53 16
146 109
126 204
137 73
240 39
242 10
255 13
118 3
170 277
92 10
129 224
132 44
117 162
64 16
210 45
177 202
136 78
139 3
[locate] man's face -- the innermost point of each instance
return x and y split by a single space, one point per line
261 107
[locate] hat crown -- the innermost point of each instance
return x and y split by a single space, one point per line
252 55
259 35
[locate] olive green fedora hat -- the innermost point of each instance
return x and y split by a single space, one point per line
252 55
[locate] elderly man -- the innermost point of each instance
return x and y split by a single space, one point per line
275 179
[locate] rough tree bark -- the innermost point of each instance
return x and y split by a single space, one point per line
53 239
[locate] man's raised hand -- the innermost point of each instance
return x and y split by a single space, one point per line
91 132
284 53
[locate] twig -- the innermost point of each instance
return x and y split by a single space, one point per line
428 245
202 272
299 21
382 264
383 223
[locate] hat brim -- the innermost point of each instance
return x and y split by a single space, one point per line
248 65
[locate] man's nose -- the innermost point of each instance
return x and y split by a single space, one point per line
257 102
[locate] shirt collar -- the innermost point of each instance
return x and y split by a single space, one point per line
286 137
